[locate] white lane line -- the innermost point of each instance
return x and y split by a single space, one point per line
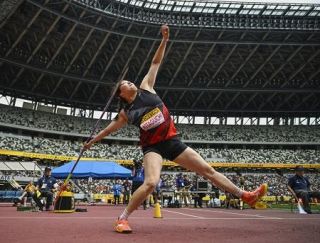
185 214
240 214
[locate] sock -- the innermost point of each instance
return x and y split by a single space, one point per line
124 215
239 193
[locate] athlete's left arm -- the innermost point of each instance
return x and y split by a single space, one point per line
149 80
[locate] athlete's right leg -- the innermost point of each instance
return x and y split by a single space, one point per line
152 169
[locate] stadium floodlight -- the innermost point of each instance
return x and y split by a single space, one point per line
231 11
168 2
294 7
300 13
267 12
235 5
221 10
282 7
200 4
254 12
307 8
271 6
244 11
314 13
258 6
248 6
154 6
290 13
139 3
188 3
197 10
277 12
185 9
211 5
162 7
208 10
224 5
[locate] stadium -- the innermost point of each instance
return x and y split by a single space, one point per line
241 80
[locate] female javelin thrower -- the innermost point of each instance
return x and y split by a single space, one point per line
158 138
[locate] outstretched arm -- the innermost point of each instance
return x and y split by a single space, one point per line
149 80
112 127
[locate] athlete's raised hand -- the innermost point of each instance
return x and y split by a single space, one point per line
165 32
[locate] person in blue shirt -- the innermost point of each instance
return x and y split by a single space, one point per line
117 189
157 192
300 185
47 185
180 181
138 178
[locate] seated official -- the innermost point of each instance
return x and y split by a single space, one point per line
47 185
300 185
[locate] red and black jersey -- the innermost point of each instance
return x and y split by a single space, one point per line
149 113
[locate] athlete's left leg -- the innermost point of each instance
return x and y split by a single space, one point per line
191 160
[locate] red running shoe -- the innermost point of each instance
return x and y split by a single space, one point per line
122 226
251 198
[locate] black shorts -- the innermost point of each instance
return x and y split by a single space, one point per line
168 149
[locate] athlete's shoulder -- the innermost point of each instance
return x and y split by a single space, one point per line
148 90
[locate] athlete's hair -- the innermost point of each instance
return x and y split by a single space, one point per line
122 103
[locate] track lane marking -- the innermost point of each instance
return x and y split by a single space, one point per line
224 212
185 214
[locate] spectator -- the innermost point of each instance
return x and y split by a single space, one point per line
138 178
300 185
126 191
117 188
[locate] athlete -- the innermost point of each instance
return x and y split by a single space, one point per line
158 139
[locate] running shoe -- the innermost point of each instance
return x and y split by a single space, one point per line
251 198
122 226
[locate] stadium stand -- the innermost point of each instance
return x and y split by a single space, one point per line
78 126
125 152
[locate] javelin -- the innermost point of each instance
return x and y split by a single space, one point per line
92 132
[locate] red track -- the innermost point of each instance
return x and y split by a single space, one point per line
177 225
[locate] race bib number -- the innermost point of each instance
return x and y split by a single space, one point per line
152 119
44 186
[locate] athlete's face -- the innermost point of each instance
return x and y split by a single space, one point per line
126 87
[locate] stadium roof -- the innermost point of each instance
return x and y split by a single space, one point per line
252 59
241 8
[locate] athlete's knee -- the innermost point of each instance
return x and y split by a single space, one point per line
208 171
150 185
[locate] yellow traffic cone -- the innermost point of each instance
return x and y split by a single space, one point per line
157 211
